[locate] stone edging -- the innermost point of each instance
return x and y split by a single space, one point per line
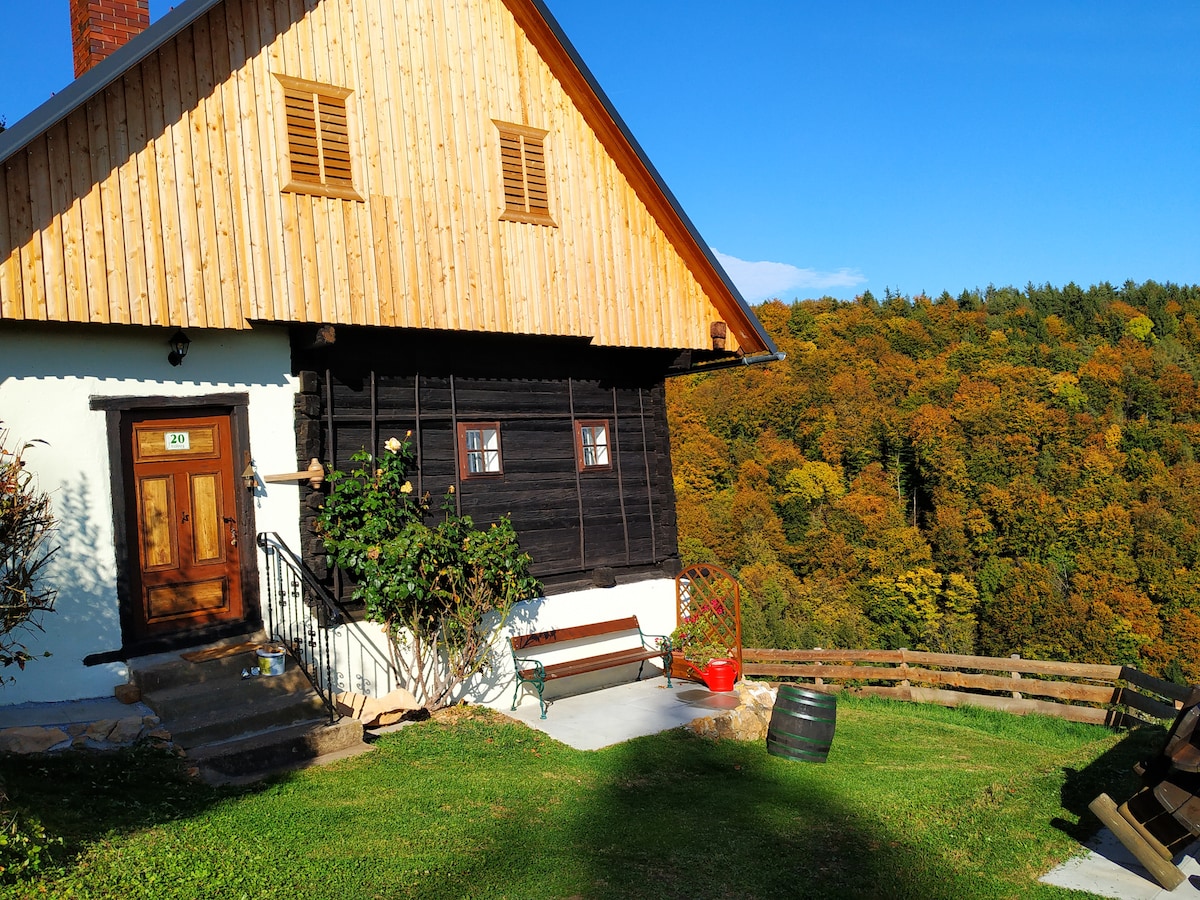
104 734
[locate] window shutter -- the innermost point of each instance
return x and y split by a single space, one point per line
318 138
523 166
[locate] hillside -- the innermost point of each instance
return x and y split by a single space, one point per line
1002 472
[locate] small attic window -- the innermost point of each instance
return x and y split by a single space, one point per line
523 164
318 138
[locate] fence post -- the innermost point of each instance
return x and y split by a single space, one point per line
1016 676
904 668
819 663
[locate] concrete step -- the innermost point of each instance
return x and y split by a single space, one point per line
254 756
168 670
244 718
240 729
221 696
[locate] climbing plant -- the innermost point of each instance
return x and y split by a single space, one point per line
441 587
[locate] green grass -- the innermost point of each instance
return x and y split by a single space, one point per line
914 802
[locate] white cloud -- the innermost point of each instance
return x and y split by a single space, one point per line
764 280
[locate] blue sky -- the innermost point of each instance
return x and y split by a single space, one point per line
826 148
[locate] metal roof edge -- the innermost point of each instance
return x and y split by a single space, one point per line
100 76
706 250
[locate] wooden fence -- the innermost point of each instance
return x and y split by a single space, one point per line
1111 695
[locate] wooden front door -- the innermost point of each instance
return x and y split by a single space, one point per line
184 523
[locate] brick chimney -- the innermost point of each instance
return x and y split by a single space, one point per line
101 27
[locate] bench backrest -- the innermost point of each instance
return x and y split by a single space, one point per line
574 633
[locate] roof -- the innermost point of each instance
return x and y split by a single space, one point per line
546 34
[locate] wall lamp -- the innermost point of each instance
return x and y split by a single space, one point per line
179 347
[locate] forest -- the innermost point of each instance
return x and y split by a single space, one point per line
1005 471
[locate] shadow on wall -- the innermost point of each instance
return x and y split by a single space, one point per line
364 662
497 677
85 618
48 350
85 568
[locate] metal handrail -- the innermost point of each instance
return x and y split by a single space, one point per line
304 616
300 614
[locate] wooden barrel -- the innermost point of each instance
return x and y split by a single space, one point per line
802 724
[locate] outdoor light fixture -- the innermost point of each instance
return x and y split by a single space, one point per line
179 347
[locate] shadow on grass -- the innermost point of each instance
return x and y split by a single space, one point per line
687 818
85 796
1111 773
472 805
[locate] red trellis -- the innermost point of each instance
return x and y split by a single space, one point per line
708 585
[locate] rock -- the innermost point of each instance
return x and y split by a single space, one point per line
748 722
98 732
374 712
127 693
126 731
31 739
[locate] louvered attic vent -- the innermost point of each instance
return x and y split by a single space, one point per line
318 138
523 164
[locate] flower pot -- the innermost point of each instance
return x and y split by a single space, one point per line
720 674
682 669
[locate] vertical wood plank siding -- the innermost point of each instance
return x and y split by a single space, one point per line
159 201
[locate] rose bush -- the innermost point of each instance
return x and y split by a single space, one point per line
442 591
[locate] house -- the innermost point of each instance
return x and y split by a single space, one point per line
266 231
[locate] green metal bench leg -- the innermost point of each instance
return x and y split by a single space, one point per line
537 684
540 700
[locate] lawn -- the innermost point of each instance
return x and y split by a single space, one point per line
914 802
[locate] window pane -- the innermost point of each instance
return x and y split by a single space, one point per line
480 449
593 445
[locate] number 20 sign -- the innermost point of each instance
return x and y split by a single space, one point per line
178 440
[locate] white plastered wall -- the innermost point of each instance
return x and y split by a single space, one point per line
48 377
361 653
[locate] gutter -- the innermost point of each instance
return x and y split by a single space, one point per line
777 356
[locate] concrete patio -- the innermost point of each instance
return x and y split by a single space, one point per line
618 713
1106 868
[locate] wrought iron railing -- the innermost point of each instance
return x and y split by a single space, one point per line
303 616
300 614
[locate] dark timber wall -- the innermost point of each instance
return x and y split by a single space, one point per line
581 527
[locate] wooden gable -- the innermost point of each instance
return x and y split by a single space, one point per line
170 195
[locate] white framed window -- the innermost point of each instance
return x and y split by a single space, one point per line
592 444
479 449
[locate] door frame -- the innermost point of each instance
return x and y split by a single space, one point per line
117 410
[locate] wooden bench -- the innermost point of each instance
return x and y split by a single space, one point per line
535 672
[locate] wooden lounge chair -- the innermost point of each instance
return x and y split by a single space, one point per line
1163 817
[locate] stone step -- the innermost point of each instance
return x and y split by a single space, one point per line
272 712
168 670
222 697
253 756
240 729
